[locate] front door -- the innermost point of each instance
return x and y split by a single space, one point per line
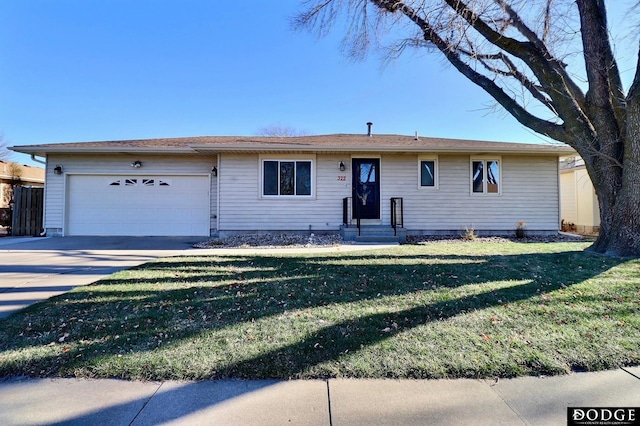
366 188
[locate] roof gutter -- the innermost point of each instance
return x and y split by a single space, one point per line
389 149
40 150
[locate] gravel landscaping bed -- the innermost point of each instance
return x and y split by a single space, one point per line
272 241
560 238
297 240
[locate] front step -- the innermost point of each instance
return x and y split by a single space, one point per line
373 234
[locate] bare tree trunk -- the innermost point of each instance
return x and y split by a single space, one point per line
625 223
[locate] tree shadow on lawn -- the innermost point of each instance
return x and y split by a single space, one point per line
113 318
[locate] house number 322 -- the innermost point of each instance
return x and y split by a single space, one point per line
343 178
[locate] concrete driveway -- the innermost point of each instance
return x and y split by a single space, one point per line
33 269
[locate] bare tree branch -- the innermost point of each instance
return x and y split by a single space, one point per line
4 152
280 131
539 125
512 71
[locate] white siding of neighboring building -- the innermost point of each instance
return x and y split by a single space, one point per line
588 210
579 201
568 197
116 164
529 193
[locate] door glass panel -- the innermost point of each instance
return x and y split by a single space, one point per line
367 173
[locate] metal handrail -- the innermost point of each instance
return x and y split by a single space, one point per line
345 211
397 220
356 211
346 217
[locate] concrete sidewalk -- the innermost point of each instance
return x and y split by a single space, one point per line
522 401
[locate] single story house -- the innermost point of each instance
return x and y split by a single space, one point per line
226 185
579 207
11 172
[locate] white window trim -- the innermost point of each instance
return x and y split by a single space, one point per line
436 172
311 159
486 159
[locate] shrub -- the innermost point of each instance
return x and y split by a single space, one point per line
469 234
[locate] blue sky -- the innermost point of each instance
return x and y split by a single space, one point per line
88 70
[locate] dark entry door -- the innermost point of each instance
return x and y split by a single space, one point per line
366 188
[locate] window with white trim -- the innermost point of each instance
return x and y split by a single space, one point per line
485 176
286 178
428 172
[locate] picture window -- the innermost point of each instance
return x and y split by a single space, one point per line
286 178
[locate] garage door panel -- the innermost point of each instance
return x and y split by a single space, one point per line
149 205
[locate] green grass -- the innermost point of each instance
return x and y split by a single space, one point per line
441 309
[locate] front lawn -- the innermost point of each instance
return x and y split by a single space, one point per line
440 309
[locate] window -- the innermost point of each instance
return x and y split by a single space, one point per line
485 176
137 182
428 173
286 178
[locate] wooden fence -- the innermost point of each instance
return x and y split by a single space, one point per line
28 211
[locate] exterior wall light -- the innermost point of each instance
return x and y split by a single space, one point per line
341 166
214 171
136 164
57 170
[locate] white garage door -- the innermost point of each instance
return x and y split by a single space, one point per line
138 205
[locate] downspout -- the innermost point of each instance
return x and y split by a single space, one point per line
559 189
33 158
218 196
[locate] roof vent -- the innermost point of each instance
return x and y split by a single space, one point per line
416 138
369 124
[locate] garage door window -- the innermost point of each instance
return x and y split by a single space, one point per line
140 182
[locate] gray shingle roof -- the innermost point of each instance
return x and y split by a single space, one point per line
320 143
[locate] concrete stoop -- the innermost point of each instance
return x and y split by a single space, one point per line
373 234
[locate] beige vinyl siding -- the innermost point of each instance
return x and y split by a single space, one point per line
118 164
244 209
529 194
529 191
